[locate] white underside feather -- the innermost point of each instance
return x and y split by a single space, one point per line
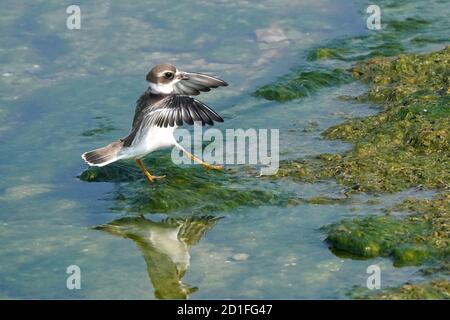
153 139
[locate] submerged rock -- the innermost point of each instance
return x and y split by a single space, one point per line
302 84
420 237
24 191
407 144
437 289
390 41
327 53
184 188
240 256
112 173
323 200
440 268
407 255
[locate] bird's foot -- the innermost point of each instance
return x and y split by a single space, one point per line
212 167
151 178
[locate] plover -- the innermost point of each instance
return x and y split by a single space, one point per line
165 246
165 105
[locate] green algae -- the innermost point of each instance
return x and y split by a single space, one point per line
407 25
440 268
390 41
111 173
410 255
302 84
420 40
319 200
191 189
197 196
407 144
325 200
372 236
412 240
305 170
323 53
395 38
435 211
351 50
434 290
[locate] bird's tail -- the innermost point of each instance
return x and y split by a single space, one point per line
103 156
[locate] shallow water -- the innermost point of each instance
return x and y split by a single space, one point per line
67 91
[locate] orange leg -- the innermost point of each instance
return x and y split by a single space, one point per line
147 174
204 164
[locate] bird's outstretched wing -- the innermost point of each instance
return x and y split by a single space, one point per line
193 228
193 83
170 111
178 109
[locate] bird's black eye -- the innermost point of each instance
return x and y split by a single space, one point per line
168 75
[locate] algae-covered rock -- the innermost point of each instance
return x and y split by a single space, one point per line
197 196
302 84
437 289
370 237
327 53
319 200
325 200
435 211
442 267
410 255
390 41
114 172
407 144
412 240
409 24
187 188
302 170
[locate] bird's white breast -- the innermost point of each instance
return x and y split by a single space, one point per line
152 139
158 137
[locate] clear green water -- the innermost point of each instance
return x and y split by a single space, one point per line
67 91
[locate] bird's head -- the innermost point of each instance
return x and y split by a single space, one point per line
166 79
163 77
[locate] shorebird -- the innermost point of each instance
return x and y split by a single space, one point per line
165 105
165 247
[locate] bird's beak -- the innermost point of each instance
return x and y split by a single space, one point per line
182 76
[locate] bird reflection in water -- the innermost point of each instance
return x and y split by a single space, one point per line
165 247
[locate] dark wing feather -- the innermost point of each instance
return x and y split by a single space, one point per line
179 117
169 111
197 82
186 116
165 113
